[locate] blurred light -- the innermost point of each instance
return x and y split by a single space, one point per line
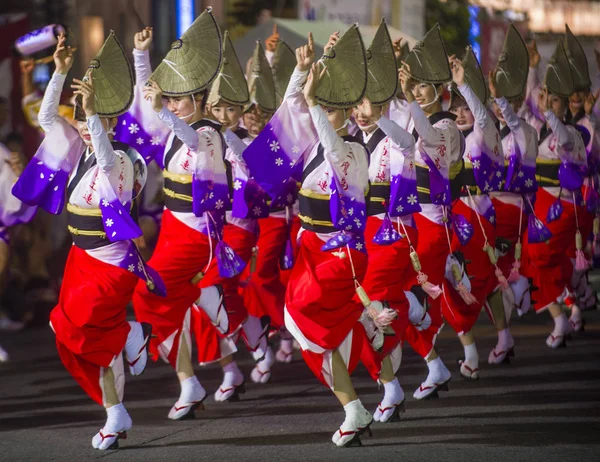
477 51
583 16
92 37
41 74
474 30
184 11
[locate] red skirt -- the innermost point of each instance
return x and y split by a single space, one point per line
433 251
507 227
320 294
207 336
460 316
90 319
265 293
547 262
180 254
389 268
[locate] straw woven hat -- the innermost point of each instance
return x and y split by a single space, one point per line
284 62
230 85
382 70
260 81
113 81
404 52
194 59
344 84
474 75
428 59
577 60
513 65
559 78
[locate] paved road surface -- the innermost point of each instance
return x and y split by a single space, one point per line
544 406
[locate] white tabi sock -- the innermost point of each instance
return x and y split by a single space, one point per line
354 409
117 419
561 324
471 355
393 393
232 376
505 340
438 372
191 391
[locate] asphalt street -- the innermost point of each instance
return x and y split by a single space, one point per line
543 406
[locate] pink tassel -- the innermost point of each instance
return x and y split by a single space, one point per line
431 290
385 318
502 279
581 264
514 272
373 313
465 294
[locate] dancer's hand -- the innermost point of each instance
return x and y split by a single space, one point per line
397 44
314 77
154 94
305 55
534 54
492 85
590 102
63 55
143 39
406 82
543 101
85 89
458 71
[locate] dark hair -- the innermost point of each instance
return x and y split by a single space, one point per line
203 98
14 137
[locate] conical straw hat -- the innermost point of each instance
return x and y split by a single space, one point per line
260 81
558 78
194 59
230 85
578 61
345 81
474 75
404 51
113 80
284 61
382 71
428 59
513 65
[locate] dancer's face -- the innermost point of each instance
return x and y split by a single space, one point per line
227 115
367 123
255 120
182 106
464 116
576 100
424 93
557 105
84 132
336 117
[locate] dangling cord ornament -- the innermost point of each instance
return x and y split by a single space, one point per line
196 279
149 281
433 291
491 251
581 264
514 271
462 290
